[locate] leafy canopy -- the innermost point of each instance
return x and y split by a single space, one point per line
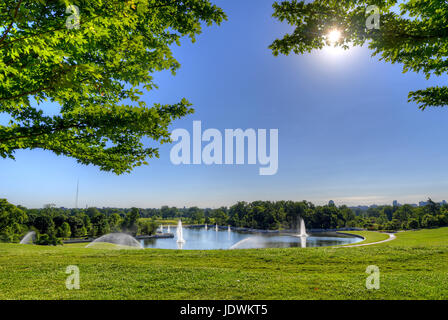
94 71
413 33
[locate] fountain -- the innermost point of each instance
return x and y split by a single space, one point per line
216 227
302 229
179 232
196 238
168 229
120 239
251 240
161 228
229 229
29 238
206 228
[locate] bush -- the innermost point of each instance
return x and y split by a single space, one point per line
47 240
147 227
442 220
429 221
413 224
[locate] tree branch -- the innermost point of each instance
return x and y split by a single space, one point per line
12 22
25 94
64 27
50 131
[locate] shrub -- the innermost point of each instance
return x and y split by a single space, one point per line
47 240
413 224
147 227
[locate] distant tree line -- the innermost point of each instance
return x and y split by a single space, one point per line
286 214
52 224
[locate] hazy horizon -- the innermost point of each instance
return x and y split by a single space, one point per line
338 202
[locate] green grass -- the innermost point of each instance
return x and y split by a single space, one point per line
369 236
414 266
163 222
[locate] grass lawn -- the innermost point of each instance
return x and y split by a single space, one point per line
414 266
369 236
165 222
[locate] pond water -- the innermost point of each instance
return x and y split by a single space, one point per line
202 239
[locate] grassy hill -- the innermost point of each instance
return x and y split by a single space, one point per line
414 266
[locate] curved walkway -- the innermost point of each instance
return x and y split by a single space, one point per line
391 237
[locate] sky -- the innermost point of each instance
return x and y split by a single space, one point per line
345 129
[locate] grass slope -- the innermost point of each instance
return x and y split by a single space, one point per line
412 266
369 236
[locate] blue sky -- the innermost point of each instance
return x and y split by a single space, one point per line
346 130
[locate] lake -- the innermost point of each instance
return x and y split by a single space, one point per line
210 239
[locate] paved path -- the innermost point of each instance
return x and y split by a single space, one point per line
391 237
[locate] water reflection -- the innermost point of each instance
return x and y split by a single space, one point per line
303 242
206 239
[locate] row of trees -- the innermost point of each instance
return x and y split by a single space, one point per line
61 223
51 224
286 214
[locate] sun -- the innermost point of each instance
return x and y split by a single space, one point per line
334 36
337 45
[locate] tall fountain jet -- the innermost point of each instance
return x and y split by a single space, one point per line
228 229
179 232
168 229
216 227
302 229
206 228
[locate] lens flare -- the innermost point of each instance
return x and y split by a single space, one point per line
334 36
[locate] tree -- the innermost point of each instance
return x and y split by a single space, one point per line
442 220
432 207
12 220
65 231
100 224
220 216
130 221
403 213
92 212
294 211
429 221
373 212
82 232
77 226
416 36
93 63
147 227
115 222
196 215
389 211
44 224
413 224
237 213
48 239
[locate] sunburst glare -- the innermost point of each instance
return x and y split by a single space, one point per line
334 36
